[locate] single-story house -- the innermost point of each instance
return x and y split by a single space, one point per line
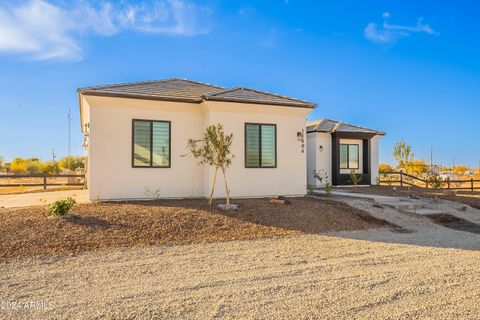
335 149
136 137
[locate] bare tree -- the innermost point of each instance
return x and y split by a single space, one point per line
401 153
215 150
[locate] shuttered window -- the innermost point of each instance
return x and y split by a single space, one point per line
349 156
260 145
151 144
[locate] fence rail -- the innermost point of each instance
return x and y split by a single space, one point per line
39 180
402 179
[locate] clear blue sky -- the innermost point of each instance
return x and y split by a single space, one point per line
409 68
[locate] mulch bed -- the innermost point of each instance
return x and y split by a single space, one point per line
466 197
98 226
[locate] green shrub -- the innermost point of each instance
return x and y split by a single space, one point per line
61 207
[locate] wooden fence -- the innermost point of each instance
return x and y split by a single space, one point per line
39 180
405 179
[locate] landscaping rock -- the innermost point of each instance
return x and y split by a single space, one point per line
230 206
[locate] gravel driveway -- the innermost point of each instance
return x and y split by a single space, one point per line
306 276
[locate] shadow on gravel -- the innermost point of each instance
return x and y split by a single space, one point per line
452 222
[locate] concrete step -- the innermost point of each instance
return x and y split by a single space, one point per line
425 211
399 204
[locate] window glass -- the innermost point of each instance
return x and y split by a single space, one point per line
161 141
268 145
344 156
151 143
252 145
353 156
141 143
349 156
260 145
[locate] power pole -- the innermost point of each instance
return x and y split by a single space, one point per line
69 136
431 158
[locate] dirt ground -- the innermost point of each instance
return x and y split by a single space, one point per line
29 232
467 197
296 277
26 189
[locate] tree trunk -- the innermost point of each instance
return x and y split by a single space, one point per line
213 186
226 186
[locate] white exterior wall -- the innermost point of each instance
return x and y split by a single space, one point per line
289 177
111 175
375 157
322 160
319 159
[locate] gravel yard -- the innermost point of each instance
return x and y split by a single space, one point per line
28 232
296 277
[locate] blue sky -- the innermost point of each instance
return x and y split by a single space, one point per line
408 68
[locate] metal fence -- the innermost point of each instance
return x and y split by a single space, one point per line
405 179
39 180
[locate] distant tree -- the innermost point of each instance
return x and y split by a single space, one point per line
461 170
2 165
417 166
50 167
401 153
71 163
18 166
383 167
215 150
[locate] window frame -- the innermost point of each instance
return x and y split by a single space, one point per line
348 156
260 166
151 143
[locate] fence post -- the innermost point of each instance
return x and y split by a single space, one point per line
401 179
44 182
471 183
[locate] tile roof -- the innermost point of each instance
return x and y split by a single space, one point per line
168 89
330 126
191 91
255 96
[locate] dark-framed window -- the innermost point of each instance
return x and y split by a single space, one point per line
260 145
349 156
151 143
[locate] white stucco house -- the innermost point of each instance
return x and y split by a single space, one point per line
136 136
336 149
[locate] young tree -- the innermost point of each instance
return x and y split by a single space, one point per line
435 182
355 177
401 153
215 150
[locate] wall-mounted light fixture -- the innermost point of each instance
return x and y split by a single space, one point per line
320 147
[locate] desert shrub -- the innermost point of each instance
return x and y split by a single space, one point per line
61 207
328 189
355 177
435 182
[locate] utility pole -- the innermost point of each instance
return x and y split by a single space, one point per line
69 136
431 158
53 155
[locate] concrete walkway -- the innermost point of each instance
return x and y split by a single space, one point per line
41 198
356 195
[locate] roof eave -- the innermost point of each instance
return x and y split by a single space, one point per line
137 96
295 105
